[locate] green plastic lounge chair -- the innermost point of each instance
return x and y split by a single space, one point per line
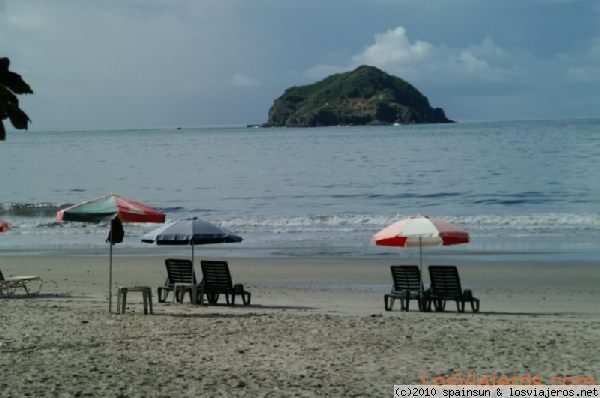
178 271
445 285
32 285
407 286
216 280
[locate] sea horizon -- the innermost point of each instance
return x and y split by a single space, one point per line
32 129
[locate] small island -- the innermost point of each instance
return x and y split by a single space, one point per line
364 96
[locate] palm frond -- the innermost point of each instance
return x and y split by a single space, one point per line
18 118
15 82
10 84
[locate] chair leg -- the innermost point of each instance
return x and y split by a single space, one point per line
150 300
123 302
9 290
212 298
246 298
440 305
179 295
475 305
389 301
145 299
119 293
460 305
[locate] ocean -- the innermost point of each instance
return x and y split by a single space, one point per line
522 189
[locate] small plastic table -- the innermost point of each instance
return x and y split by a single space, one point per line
122 297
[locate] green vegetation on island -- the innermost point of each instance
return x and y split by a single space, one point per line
364 96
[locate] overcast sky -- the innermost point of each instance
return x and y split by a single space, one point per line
164 63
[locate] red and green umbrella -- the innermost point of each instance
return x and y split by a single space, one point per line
109 206
5 226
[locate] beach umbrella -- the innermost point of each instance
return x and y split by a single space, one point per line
190 231
5 226
109 206
420 231
106 207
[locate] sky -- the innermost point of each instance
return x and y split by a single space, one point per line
110 64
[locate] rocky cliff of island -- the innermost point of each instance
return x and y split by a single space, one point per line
364 96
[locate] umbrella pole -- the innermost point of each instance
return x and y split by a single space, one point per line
421 267
194 287
421 257
110 245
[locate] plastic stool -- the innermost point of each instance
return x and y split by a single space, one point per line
122 297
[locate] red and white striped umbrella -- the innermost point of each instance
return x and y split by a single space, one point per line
5 226
420 231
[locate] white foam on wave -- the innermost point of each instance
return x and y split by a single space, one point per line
542 222
517 223
327 232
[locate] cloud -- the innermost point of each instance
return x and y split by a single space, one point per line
594 50
588 73
586 69
557 1
419 60
26 18
240 80
393 47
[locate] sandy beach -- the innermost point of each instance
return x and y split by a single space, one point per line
316 327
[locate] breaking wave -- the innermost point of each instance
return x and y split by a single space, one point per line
533 223
41 216
21 209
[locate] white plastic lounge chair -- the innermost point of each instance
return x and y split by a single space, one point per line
32 285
